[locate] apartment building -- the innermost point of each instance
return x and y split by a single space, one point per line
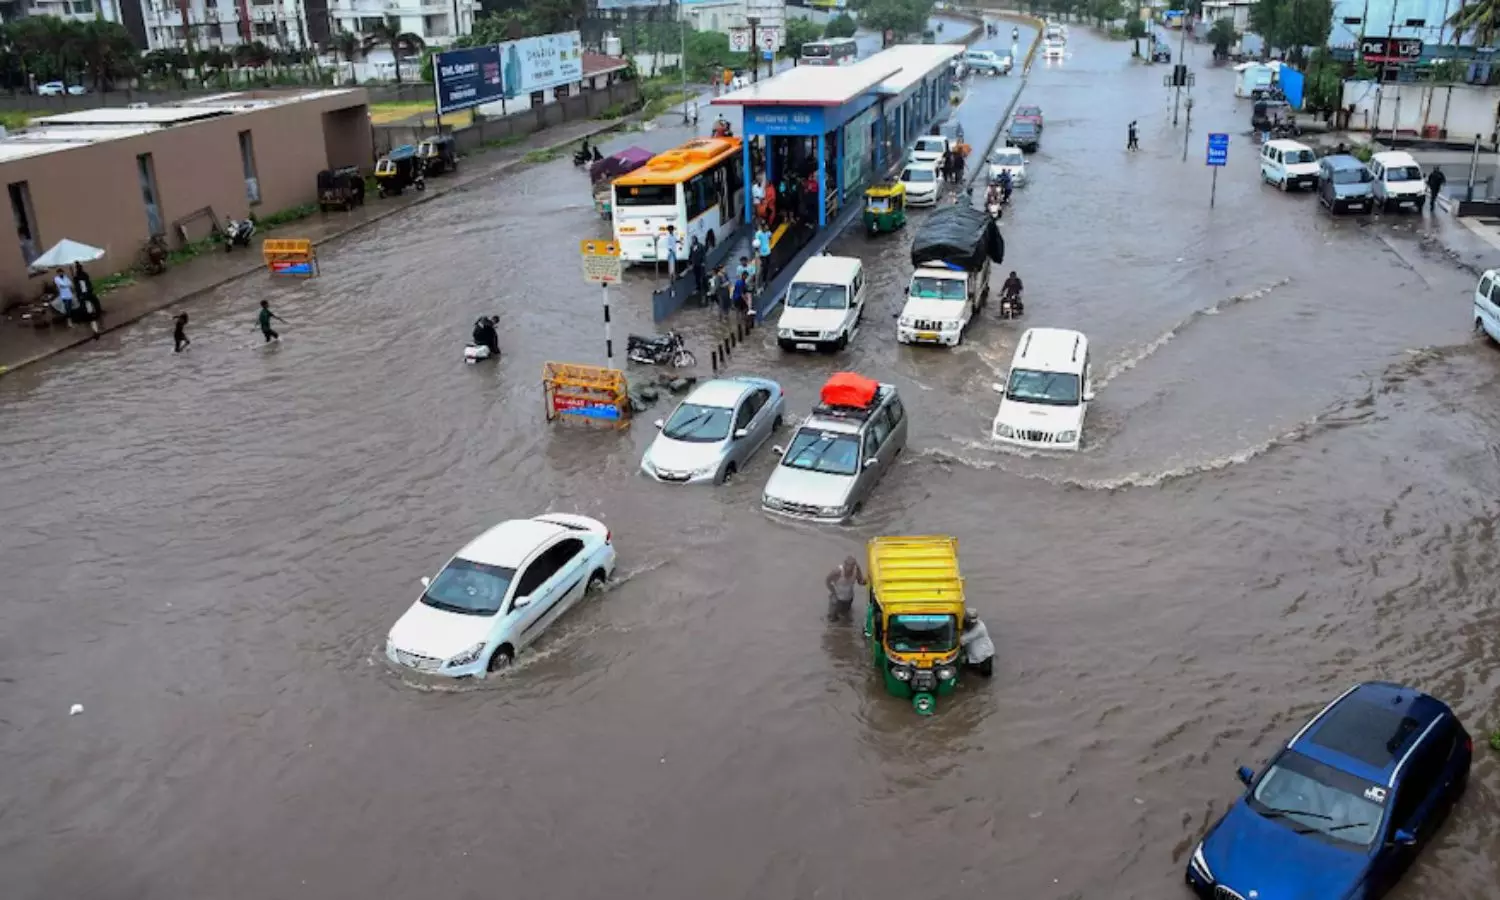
436 22
284 24
125 12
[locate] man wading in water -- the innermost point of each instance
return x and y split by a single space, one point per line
841 582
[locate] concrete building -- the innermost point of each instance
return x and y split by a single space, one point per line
282 24
1423 20
436 22
114 177
124 12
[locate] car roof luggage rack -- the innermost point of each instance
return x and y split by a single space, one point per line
848 396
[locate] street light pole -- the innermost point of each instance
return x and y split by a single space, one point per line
682 59
754 49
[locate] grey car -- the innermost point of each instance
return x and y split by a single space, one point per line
835 458
1345 184
714 431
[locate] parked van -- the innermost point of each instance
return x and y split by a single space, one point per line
1345 185
1399 183
823 304
1487 304
1048 391
1288 165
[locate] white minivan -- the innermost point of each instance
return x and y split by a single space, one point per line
1399 183
1487 304
823 305
1289 165
1047 393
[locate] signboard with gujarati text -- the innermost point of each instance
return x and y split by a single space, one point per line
467 78
601 261
775 121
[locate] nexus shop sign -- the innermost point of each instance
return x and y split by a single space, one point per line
539 63
467 78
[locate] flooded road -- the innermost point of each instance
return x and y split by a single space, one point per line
1288 484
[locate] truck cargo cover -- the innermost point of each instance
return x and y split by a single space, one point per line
960 236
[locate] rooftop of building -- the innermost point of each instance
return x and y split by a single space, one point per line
66 131
890 71
599 64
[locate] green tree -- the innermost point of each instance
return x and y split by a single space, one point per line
1324 88
900 17
798 32
1480 18
1105 11
47 48
840 26
1135 29
1222 36
1292 25
388 33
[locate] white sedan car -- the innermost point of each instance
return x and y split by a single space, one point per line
922 184
1008 159
499 593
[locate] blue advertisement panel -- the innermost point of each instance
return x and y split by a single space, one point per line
776 121
466 78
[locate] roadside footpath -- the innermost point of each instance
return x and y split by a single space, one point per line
21 346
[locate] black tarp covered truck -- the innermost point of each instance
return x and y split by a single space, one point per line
951 254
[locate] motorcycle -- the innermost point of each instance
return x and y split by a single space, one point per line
994 209
476 352
586 155
1010 306
659 350
238 233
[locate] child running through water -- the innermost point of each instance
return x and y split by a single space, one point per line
264 318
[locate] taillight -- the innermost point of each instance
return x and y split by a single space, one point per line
608 535
1469 744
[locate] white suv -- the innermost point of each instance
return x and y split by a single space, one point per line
1047 392
823 304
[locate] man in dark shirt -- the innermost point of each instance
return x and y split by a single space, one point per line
1435 183
1012 289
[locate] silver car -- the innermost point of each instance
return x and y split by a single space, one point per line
835 458
714 431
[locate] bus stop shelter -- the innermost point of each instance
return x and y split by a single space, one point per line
847 123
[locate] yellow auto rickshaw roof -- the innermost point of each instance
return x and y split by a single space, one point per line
917 574
886 190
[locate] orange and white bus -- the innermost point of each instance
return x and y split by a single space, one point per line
699 188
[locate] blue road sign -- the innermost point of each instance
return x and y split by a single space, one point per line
1218 149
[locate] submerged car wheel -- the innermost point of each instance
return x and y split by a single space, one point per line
596 582
729 473
502 658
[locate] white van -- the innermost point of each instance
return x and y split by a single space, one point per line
1047 393
1487 304
1289 165
1399 183
823 304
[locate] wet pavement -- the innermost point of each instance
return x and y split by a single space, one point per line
1287 484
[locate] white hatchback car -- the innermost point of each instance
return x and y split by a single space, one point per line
1048 391
930 148
1008 159
922 184
499 593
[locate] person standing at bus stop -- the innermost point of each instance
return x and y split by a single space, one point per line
763 250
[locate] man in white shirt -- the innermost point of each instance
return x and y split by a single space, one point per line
66 302
979 650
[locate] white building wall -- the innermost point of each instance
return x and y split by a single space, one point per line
76 10
434 21
1462 110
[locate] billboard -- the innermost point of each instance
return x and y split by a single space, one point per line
467 77
539 63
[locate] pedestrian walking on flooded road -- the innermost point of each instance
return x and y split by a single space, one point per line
179 333
721 291
671 252
264 318
88 301
697 258
1435 183
1131 141
840 583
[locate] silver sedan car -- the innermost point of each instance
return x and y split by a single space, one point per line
714 431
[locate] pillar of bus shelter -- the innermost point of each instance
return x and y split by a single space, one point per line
880 138
748 180
822 180
838 174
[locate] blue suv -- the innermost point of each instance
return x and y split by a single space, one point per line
1345 807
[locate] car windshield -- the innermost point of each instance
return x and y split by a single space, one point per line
1352 176
1403 173
1048 388
817 296
922 634
1022 128
469 588
931 145
1008 158
919 176
1030 111
823 451
698 424
927 288
1299 156
646 195
1311 798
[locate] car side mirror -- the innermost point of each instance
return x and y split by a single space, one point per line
997 387
778 449
426 582
1247 775
659 424
1405 838
870 462
741 433
521 602
1088 396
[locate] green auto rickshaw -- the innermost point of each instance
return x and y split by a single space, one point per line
885 207
914 617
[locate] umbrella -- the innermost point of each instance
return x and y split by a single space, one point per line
65 253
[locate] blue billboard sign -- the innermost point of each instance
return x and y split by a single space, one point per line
1218 149
466 78
782 120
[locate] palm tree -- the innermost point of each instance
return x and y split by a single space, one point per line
389 34
345 44
1482 18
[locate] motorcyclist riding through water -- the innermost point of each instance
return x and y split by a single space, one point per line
1011 292
1005 186
485 334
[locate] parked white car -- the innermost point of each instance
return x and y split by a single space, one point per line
1399 182
922 184
57 89
929 148
1008 159
501 592
1047 393
1487 304
823 304
715 430
1288 165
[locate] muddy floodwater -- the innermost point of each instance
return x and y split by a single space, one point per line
1288 483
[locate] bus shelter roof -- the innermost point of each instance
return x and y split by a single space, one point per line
914 62
814 85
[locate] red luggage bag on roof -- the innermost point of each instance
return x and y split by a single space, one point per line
849 389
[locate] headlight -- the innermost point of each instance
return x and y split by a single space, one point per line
946 672
770 502
1067 437
784 333
902 673
949 327
1005 430
705 470
827 335
904 322
1200 865
466 657
390 647
832 510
